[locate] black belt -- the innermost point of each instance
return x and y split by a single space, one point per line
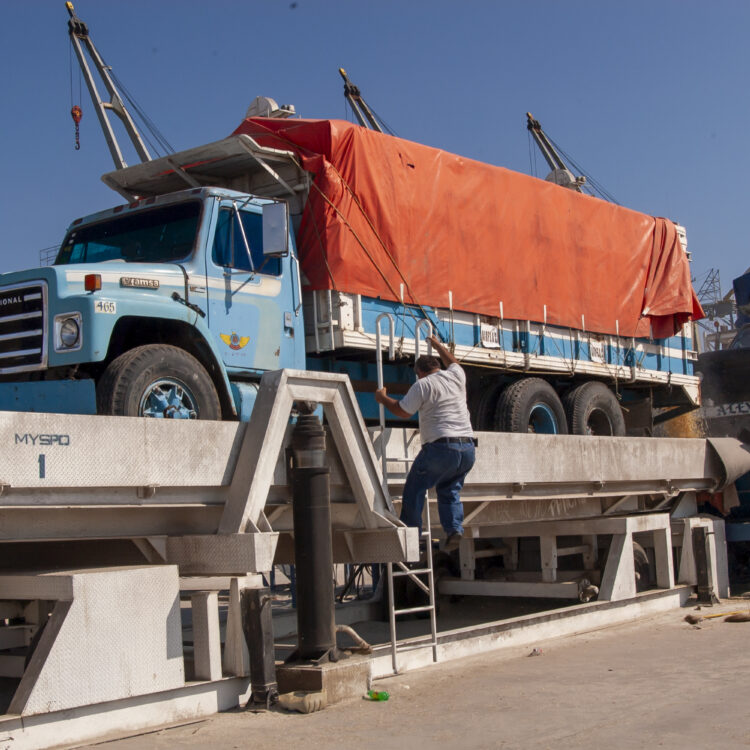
454 440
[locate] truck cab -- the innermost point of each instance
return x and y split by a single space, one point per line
168 306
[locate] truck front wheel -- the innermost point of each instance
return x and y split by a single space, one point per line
160 381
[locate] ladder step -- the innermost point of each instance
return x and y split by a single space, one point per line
426 608
417 581
413 571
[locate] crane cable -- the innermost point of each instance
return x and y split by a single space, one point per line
157 141
150 126
596 186
592 186
386 127
532 154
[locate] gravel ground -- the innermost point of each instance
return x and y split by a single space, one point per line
657 683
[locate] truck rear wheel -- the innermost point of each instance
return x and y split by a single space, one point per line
592 409
159 381
484 415
530 405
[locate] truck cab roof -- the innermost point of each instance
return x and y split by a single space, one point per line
237 162
138 204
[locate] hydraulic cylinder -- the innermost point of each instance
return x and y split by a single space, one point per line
313 550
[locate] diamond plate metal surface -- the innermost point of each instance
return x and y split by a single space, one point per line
376 545
121 637
222 554
508 458
64 450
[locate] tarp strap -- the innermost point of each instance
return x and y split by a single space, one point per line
322 246
355 198
367 252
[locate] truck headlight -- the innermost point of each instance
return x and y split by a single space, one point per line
68 332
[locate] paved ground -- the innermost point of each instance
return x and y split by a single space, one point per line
659 683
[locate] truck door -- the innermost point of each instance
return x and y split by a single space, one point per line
246 293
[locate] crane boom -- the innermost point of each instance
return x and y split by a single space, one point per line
560 173
359 106
79 36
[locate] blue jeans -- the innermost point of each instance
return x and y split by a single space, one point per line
443 466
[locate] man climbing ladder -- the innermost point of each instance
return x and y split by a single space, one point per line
447 453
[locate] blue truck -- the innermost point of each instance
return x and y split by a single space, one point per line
174 304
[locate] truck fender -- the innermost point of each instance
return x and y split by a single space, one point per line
205 348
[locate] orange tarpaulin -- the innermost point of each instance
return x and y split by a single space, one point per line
385 212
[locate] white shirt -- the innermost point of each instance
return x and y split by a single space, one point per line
440 399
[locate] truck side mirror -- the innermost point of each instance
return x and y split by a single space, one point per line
275 229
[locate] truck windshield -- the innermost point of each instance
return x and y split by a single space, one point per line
156 236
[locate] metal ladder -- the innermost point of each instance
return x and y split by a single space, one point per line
428 588
426 535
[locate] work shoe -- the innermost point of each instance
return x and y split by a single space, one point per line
453 541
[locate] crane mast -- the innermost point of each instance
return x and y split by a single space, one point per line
79 37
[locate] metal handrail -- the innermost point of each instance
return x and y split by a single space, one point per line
379 360
423 322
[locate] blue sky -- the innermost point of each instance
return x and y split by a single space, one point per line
649 97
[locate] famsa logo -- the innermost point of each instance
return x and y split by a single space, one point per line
139 283
42 439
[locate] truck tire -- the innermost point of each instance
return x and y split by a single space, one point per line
160 381
530 405
592 409
484 416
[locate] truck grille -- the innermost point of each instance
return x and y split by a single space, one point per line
23 327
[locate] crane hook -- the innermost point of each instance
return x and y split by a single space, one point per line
76 113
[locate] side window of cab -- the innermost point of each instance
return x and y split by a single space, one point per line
230 250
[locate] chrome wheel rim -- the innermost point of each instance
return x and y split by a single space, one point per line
168 398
